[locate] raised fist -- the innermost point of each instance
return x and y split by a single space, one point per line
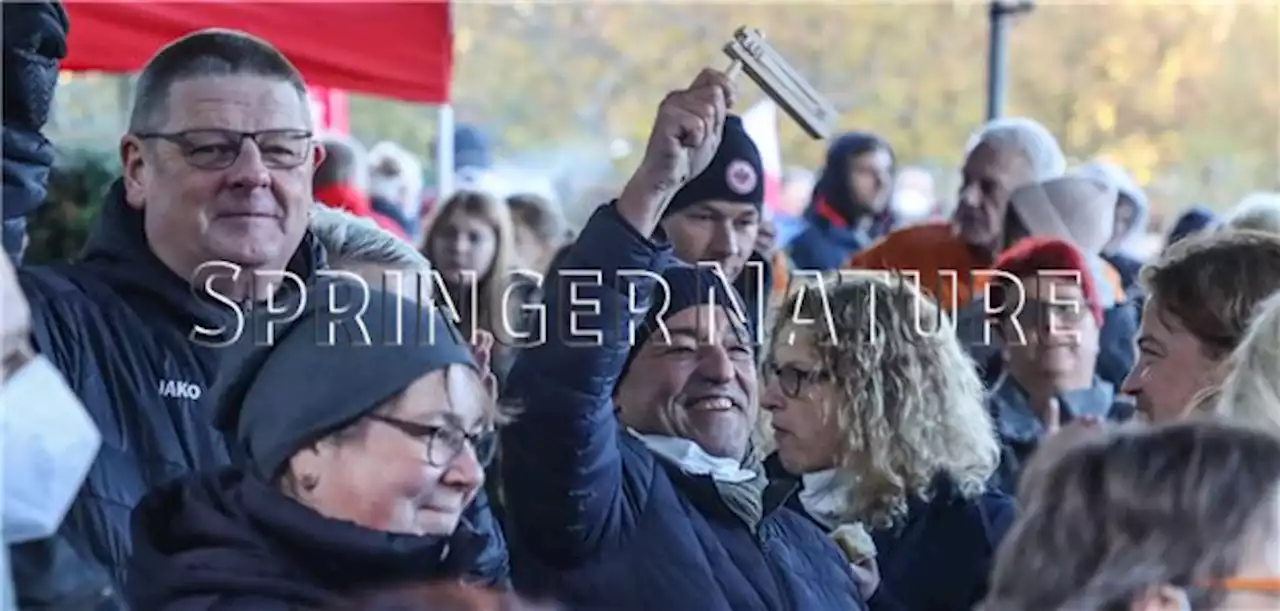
687 132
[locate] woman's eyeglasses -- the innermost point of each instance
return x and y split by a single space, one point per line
218 149
791 379
444 443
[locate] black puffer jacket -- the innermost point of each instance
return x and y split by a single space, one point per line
227 540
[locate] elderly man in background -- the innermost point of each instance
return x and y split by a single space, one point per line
1003 156
1012 188
342 181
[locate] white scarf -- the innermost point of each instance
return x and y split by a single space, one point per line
824 496
693 460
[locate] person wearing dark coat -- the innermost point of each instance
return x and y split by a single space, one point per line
1130 227
883 440
360 436
850 207
51 573
630 478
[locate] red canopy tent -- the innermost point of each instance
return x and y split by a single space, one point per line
400 50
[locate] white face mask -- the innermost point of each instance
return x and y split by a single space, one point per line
49 444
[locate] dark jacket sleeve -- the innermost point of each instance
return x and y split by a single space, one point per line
561 467
492 567
998 513
57 318
1116 342
51 574
35 38
883 600
54 573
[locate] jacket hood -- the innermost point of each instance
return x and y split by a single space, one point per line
118 248
231 535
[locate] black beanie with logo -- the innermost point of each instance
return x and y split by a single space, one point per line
736 174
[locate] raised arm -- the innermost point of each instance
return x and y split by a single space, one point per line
561 468
35 39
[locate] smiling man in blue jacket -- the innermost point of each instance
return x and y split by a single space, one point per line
630 476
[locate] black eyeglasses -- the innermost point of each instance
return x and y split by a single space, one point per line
444 443
218 149
792 379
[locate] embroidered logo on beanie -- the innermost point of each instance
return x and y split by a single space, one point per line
741 177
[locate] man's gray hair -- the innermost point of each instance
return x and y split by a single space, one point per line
1026 137
345 163
353 240
207 53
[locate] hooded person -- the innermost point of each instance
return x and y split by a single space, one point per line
1078 209
1124 250
716 217
360 436
850 206
631 479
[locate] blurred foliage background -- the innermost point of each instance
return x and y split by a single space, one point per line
1186 95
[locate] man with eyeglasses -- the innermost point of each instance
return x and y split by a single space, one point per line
217 167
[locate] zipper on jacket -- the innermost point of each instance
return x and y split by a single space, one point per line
779 581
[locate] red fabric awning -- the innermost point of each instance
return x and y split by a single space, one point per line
401 50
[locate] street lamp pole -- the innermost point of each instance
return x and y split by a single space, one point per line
1002 12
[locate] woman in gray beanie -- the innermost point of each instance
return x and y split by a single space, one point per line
361 435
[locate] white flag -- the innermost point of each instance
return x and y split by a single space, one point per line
761 124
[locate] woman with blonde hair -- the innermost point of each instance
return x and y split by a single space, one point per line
1251 392
469 240
879 422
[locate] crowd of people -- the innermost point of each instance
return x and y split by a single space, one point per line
476 407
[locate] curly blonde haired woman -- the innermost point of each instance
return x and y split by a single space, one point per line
879 420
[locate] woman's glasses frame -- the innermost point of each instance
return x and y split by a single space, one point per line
791 379
443 442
